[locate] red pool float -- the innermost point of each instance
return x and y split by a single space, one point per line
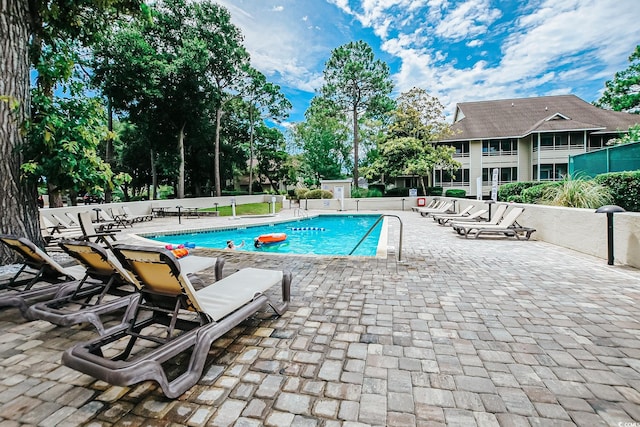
266 239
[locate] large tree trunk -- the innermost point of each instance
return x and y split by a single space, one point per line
250 151
153 191
355 147
216 155
108 155
181 166
17 200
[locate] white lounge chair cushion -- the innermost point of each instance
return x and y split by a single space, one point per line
193 263
227 295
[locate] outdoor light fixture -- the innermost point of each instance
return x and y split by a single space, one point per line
609 210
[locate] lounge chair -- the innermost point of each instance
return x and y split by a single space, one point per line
460 214
39 278
73 220
440 209
173 320
507 226
64 225
90 233
470 217
105 288
136 218
432 204
496 216
117 221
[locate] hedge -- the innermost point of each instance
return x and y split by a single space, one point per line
454 192
505 191
624 188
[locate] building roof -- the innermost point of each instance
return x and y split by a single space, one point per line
517 118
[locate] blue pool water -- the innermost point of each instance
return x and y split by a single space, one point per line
322 235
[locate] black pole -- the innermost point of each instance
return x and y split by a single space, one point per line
357 205
610 238
179 214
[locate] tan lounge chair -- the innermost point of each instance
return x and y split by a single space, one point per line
507 226
39 278
91 234
105 288
172 319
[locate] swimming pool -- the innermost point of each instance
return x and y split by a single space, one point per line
321 235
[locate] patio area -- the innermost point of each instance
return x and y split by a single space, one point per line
486 332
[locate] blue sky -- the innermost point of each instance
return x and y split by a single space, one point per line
457 50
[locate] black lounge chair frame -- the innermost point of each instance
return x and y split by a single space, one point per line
90 297
193 335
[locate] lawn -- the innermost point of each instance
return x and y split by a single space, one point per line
248 209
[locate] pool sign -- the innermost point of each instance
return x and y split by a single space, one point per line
413 192
494 185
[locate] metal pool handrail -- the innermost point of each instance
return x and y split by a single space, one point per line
374 226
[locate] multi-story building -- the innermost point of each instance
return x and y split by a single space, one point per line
526 139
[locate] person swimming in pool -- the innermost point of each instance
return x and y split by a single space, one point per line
232 246
257 243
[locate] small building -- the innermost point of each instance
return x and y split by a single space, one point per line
526 139
331 184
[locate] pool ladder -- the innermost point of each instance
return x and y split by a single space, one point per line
374 226
300 212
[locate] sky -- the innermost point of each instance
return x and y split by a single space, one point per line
457 50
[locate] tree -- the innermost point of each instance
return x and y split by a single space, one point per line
409 148
322 138
359 84
263 100
623 92
24 28
272 155
227 67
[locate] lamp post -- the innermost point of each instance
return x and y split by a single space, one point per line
609 210
490 202
179 214
97 214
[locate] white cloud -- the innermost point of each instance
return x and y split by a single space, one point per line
278 8
469 19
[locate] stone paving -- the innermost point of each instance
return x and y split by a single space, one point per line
461 332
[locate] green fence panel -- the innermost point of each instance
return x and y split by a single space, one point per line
618 158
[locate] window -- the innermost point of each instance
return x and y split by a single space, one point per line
576 139
550 172
500 147
556 141
462 149
504 175
450 179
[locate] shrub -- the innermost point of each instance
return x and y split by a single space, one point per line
455 192
301 193
577 193
398 192
434 191
357 192
319 194
624 188
374 192
534 193
514 189
380 187
516 198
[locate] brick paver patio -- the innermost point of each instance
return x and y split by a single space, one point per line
482 332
